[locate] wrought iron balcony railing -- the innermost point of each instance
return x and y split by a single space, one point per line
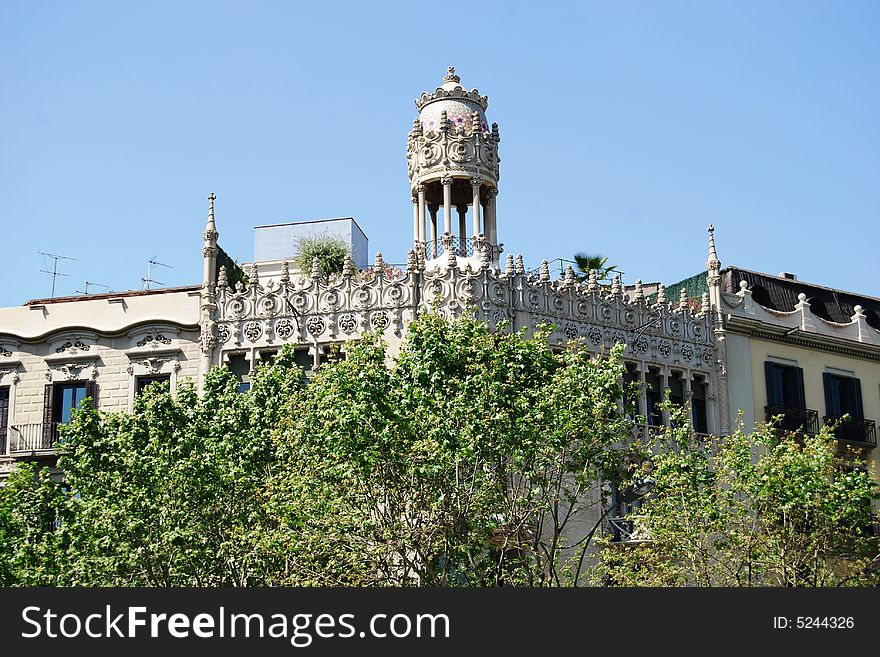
861 433
801 420
29 438
462 247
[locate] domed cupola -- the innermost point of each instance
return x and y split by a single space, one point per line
453 165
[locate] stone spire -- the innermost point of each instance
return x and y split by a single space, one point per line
316 268
520 266
508 266
661 295
682 299
210 250
640 291
593 281
222 279
616 290
544 271
285 272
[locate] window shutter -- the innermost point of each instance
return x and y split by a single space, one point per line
831 409
768 377
48 414
92 391
799 382
858 411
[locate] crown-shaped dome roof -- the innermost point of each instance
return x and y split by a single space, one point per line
458 103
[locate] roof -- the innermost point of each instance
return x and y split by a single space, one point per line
113 295
778 293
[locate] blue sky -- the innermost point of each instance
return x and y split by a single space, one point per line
626 128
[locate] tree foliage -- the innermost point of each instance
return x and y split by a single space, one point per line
470 458
587 262
755 509
329 250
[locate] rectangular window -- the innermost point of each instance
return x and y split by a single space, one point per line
843 396
142 382
785 385
67 397
653 395
698 406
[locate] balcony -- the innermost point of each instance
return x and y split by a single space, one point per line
855 432
461 247
798 420
31 439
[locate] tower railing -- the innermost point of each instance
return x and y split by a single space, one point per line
461 247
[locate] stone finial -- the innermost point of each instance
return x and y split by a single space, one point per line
682 298
545 271
316 268
661 295
496 137
347 267
420 256
802 298
704 305
743 287
712 262
285 271
593 281
520 267
411 262
640 291
379 263
450 75
254 276
476 122
568 279
222 279
508 265
616 289
444 121
211 226
417 127
857 310
484 258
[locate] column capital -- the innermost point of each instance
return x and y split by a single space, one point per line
446 180
476 181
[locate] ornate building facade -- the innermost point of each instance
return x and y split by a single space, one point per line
55 352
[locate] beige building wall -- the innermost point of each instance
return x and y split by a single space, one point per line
814 363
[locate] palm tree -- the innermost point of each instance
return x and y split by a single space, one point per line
587 261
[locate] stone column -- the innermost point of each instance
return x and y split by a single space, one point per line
462 229
491 227
421 192
415 202
686 379
476 183
447 203
432 209
664 392
643 396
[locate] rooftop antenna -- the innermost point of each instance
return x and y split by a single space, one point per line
88 283
54 273
148 278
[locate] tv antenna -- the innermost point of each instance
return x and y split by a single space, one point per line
148 279
54 273
88 283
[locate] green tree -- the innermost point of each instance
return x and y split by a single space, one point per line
329 250
587 262
33 510
750 510
468 459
